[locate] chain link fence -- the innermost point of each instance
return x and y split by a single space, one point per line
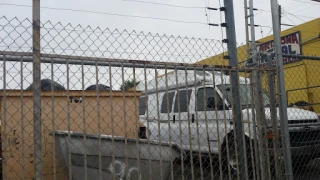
129 105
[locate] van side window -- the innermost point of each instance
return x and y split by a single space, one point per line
208 99
165 104
183 101
142 105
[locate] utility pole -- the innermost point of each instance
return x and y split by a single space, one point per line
233 61
281 91
36 89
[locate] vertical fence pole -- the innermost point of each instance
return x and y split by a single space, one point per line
281 91
233 61
36 88
259 106
273 111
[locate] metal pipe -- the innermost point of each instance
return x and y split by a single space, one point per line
180 126
22 126
169 123
69 121
257 97
120 63
36 89
124 121
158 117
112 124
273 111
99 122
233 61
4 144
301 56
53 122
197 121
84 123
281 91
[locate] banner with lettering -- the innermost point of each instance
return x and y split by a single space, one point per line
290 44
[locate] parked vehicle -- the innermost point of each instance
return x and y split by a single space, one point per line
193 109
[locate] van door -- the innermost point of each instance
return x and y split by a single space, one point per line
210 113
183 124
162 116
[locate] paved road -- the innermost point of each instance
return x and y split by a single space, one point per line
309 172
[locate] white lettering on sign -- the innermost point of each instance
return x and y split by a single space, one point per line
118 168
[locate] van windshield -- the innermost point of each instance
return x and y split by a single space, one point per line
246 94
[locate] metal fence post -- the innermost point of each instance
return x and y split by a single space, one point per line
281 91
259 106
36 88
233 61
273 110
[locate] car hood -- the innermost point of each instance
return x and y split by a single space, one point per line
293 114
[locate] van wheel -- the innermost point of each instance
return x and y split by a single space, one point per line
229 157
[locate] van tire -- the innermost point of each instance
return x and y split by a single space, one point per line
224 156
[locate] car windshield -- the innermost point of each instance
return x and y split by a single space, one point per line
246 94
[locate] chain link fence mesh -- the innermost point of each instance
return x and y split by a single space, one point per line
134 105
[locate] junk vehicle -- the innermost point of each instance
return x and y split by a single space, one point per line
193 109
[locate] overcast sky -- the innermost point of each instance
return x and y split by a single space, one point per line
117 14
295 12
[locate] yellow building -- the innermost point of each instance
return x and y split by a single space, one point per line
302 76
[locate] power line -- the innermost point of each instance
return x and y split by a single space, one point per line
260 11
164 4
306 2
294 5
294 16
264 10
297 4
290 20
303 8
300 15
110 14
291 4
286 11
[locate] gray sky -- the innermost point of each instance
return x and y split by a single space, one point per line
300 10
294 12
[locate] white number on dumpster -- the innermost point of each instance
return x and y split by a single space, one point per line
118 168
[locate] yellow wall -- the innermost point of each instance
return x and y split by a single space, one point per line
295 77
300 74
307 30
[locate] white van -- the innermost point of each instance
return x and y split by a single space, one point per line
193 110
